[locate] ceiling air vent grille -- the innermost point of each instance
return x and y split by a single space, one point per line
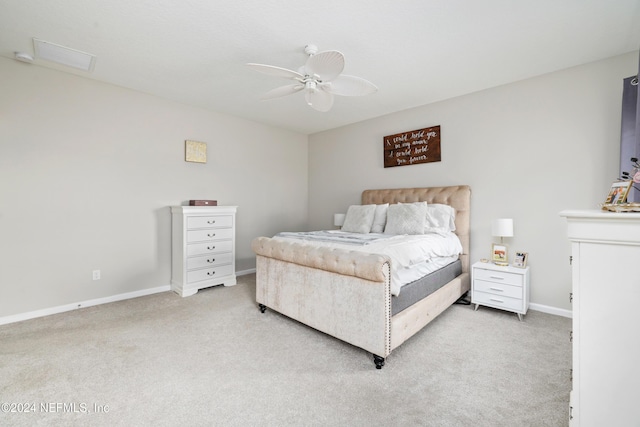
63 55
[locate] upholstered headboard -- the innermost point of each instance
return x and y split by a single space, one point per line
458 196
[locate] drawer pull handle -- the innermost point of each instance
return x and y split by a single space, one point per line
210 273
212 235
211 248
211 221
211 260
497 289
496 300
497 277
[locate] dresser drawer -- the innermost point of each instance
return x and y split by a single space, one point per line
209 235
497 276
209 273
209 248
212 260
209 221
497 288
497 301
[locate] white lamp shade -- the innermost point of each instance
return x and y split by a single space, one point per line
338 219
502 227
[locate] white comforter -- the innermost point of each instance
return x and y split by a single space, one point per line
412 256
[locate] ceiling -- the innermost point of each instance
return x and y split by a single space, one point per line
415 51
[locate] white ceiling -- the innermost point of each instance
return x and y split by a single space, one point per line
415 51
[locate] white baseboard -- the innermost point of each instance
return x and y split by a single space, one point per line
74 306
551 310
245 272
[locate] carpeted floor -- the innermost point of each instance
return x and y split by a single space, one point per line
214 359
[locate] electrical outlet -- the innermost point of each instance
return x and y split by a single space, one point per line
96 274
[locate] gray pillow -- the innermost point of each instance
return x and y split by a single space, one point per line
359 218
406 218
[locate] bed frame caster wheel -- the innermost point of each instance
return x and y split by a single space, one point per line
262 307
379 361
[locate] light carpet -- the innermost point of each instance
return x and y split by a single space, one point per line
213 359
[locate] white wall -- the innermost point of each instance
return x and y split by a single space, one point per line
88 172
528 150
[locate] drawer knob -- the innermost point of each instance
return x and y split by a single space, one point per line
497 277
497 289
210 273
212 235
211 248
496 300
211 221
211 260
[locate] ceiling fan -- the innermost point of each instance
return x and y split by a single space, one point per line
320 78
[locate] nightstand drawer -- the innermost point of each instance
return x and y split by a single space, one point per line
209 221
209 273
497 301
497 276
211 234
498 289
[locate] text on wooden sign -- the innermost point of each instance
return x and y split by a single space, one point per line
412 148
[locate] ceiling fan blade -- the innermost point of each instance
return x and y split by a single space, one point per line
272 70
326 65
282 91
319 100
351 86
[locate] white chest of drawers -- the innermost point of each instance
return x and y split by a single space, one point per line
203 247
506 288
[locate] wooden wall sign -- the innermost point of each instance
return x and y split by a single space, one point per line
412 148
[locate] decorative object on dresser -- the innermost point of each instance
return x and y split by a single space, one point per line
618 193
605 291
203 203
521 259
506 288
203 247
502 228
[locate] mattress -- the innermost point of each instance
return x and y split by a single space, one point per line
422 288
412 256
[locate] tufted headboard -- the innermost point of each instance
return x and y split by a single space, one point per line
458 196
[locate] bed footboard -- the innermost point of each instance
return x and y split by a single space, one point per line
345 294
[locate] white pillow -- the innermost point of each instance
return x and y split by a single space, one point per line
440 218
359 218
406 218
380 218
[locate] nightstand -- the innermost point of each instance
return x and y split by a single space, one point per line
506 288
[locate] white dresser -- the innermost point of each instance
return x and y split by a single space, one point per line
203 247
605 250
506 288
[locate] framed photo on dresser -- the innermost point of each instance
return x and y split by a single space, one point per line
520 260
618 192
499 254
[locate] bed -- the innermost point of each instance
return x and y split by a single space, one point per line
348 293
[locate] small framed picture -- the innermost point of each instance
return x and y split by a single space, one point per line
499 254
520 260
618 192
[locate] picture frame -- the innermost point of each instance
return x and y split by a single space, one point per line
195 151
500 254
520 260
618 193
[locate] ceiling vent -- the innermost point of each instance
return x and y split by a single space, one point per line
63 55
